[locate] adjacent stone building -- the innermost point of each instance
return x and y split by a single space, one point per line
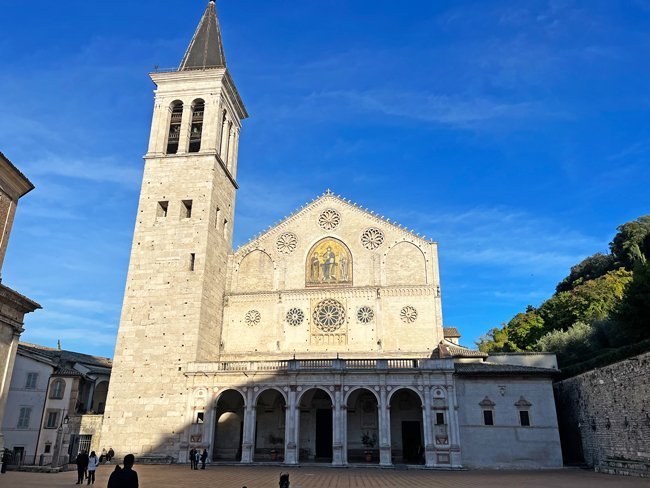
13 305
55 404
321 339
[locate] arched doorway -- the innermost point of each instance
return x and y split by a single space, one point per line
99 397
270 427
316 426
406 430
362 427
229 427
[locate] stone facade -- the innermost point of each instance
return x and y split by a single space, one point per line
605 413
13 306
321 339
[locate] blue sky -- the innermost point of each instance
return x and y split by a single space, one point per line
517 134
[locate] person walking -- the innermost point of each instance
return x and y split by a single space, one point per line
197 457
125 477
192 453
93 462
204 458
82 466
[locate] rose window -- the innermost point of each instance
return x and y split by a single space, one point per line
365 315
329 219
329 315
295 316
408 314
286 243
253 317
372 238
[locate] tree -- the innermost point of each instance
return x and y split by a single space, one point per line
588 269
496 340
631 244
633 313
524 329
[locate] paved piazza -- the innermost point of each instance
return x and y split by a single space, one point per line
317 477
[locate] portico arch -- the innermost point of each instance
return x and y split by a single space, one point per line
269 435
362 426
229 426
406 426
315 424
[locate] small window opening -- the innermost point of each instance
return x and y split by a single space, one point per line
488 417
199 417
30 384
51 422
218 217
161 211
192 261
440 418
197 126
175 128
524 418
48 448
225 228
187 209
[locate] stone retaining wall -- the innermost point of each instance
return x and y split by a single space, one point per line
605 413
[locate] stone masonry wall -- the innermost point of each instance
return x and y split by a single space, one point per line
606 412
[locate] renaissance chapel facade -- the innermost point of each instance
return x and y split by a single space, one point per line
320 340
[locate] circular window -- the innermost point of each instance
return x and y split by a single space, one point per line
329 219
286 243
295 316
329 315
365 315
253 317
408 314
372 238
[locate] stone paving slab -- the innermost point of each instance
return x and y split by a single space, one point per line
325 477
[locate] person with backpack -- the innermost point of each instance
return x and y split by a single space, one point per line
124 477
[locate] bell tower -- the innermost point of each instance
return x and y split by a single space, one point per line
173 301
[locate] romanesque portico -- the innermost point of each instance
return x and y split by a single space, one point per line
404 391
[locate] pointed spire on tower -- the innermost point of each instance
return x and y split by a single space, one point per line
206 48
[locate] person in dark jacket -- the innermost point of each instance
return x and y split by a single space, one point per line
82 466
192 453
124 477
204 458
110 454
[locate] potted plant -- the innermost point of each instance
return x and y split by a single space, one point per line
369 442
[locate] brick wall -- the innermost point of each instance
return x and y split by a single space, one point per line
606 412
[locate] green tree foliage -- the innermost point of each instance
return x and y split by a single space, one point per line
633 313
588 269
524 329
632 244
603 303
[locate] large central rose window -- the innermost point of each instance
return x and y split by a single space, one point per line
329 315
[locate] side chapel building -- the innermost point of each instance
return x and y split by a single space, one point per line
321 339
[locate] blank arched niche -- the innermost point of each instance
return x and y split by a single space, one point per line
405 265
255 272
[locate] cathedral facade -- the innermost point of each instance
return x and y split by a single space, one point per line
320 340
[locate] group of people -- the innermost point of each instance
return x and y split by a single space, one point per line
86 467
196 457
122 477
87 464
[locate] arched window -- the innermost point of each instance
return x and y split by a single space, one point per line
58 389
174 127
197 125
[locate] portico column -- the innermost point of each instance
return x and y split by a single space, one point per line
290 445
185 125
429 446
454 430
337 447
385 455
250 414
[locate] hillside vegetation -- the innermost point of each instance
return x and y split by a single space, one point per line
600 310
